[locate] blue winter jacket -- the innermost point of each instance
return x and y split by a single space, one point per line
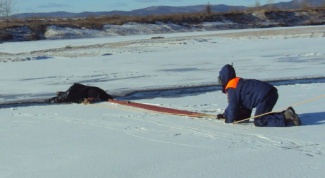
241 93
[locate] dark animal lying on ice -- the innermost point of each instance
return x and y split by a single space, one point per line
79 93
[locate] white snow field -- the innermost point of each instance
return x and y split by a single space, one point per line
107 140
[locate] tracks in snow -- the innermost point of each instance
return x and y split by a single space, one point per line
150 127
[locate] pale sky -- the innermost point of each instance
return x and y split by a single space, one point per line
23 6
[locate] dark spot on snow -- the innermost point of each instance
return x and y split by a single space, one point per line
38 78
157 37
42 57
201 40
107 54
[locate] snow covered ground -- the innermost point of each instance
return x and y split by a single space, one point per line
106 140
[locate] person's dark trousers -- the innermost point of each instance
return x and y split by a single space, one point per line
272 119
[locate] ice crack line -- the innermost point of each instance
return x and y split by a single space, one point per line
200 89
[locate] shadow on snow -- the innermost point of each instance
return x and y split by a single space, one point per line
317 118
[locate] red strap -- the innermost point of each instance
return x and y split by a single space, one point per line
161 109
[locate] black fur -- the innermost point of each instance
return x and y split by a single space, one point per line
77 93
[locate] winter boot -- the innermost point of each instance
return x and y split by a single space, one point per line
291 116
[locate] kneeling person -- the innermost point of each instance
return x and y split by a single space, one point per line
249 94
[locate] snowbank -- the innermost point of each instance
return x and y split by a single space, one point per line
127 29
240 20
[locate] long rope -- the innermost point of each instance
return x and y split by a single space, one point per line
128 105
202 115
295 104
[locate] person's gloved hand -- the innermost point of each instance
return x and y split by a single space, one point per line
221 116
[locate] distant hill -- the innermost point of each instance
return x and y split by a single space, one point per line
295 4
161 10
154 10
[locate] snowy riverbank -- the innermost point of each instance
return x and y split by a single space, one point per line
106 140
